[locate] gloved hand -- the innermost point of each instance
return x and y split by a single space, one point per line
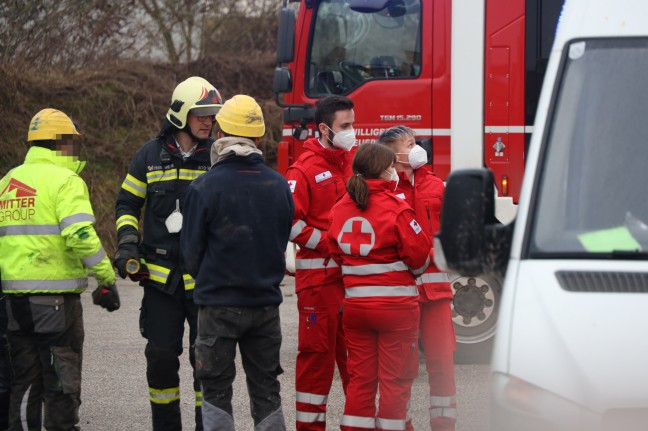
140 275
107 297
125 251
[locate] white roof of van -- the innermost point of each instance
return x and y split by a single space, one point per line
602 18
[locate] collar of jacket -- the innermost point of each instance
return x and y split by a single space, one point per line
44 155
252 159
337 156
170 145
378 185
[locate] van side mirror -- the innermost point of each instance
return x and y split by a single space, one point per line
471 241
286 36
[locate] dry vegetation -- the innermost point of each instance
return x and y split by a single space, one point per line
117 108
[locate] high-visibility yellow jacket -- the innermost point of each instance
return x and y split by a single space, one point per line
47 238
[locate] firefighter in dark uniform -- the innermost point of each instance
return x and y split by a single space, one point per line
157 181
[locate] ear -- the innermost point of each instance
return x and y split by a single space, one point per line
257 141
220 135
322 129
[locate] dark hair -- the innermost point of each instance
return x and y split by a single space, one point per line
393 134
369 163
328 106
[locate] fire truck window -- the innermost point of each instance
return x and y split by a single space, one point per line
593 173
349 48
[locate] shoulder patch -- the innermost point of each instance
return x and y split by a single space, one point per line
415 227
323 176
400 196
292 184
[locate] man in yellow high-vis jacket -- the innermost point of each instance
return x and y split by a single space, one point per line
48 245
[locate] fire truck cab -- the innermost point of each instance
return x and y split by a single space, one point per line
464 74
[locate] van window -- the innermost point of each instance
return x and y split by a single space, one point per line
349 47
592 193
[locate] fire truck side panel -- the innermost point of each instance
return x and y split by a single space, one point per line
504 93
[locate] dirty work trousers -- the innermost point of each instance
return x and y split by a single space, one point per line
439 344
382 342
162 323
45 334
5 367
321 343
257 331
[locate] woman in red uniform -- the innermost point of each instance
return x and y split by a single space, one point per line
424 192
381 248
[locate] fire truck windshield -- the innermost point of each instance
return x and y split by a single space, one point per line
349 47
591 195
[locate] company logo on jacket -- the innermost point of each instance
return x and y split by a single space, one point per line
17 201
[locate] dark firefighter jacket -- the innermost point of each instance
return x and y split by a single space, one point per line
157 182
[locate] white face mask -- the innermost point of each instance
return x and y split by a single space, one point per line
417 157
393 177
344 140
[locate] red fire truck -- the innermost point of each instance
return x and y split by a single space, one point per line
464 74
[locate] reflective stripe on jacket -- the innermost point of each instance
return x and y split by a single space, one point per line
425 196
381 250
317 180
46 229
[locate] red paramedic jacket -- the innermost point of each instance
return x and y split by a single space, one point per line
381 250
317 180
425 197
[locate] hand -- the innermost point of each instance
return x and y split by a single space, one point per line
125 252
140 275
106 297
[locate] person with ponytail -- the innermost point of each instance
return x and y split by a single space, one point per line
375 239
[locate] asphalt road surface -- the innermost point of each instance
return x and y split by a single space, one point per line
115 392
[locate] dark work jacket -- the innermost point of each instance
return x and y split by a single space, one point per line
237 220
158 177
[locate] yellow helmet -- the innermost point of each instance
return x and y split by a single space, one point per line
193 94
49 125
241 116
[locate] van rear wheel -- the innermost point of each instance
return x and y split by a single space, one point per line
474 314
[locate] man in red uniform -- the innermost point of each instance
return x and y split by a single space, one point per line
317 179
424 192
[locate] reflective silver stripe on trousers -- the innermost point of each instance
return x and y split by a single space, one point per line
314 264
314 239
305 397
358 421
391 424
17 285
422 269
434 277
369 291
23 408
34 229
442 401
310 418
91 261
297 229
76 218
444 412
374 268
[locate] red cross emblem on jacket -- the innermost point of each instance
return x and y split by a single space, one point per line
357 236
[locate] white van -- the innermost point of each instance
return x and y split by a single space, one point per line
571 350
